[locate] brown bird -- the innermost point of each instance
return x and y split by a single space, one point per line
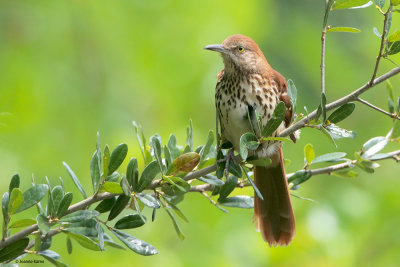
249 82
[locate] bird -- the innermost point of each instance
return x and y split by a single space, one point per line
248 82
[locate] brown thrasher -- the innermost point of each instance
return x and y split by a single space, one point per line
248 81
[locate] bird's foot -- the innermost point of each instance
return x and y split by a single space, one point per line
229 156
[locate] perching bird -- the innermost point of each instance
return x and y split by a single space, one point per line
249 82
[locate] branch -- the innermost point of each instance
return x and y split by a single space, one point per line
348 98
393 116
78 206
326 170
384 33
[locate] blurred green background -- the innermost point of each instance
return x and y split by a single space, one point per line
71 68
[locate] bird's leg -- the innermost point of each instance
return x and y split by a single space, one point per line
228 158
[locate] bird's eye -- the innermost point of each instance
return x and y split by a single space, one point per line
240 49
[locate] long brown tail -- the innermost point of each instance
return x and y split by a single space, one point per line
274 215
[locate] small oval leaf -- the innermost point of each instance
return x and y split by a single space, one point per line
130 221
117 157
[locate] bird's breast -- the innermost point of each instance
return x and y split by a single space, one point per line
234 97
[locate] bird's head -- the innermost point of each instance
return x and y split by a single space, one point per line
241 53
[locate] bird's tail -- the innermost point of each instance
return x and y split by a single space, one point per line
274 215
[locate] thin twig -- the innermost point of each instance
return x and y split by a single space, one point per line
392 115
323 38
397 65
383 39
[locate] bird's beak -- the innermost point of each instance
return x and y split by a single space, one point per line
217 48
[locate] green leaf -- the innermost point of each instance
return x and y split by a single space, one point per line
292 91
106 205
281 139
106 160
227 188
345 173
394 37
130 221
132 173
396 130
155 142
338 133
248 141
184 164
327 10
329 157
262 162
235 169
100 235
176 186
4 205
14 250
344 29
85 227
57 195
373 146
69 245
299 177
142 142
75 179
353 4
244 202
95 170
309 153
367 166
380 3
390 105
117 157
52 257
43 224
173 148
119 206
376 32
14 183
189 138
16 200
79 215
177 210
84 241
324 131
114 177
126 188
148 174
167 156
275 121
206 149
64 204
148 200
389 88
258 193
134 244
175 223
210 179
395 2
394 48
22 223
341 113
32 196
323 107
112 187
